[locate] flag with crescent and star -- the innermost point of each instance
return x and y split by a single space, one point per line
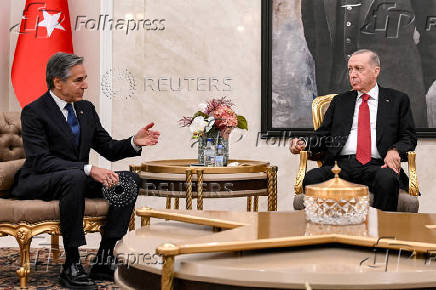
44 30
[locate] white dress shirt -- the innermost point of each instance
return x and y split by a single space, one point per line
350 146
61 104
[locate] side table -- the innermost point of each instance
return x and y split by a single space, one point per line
179 179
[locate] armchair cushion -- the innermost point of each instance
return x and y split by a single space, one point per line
11 144
34 211
7 172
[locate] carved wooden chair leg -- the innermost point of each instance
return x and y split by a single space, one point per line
176 203
55 247
24 238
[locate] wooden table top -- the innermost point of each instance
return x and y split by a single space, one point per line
247 231
326 256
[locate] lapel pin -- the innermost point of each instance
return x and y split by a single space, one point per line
81 112
387 100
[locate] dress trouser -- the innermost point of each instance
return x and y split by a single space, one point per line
71 187
382 182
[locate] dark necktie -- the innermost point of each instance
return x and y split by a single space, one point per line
73 122
363 152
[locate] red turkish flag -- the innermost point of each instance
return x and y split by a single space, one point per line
45 29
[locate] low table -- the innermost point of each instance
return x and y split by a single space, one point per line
280 250
179 179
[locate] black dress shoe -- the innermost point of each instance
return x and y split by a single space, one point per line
103 272
75 277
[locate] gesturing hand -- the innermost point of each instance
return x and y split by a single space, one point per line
393 160
297 145
146 137
105 176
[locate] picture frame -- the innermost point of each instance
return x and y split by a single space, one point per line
280 66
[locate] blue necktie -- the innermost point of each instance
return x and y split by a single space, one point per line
73 122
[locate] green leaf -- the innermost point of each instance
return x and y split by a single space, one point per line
242 123
200 113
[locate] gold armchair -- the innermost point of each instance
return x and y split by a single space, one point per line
25 219
407 201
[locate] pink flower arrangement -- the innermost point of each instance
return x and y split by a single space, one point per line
216 115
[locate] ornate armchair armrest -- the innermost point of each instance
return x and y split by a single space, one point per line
413 178
298 187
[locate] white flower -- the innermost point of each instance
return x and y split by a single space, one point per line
202 107
210 122
198 125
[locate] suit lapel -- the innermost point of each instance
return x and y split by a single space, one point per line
330 12
349 103
58 119
365 9
382 107
81 116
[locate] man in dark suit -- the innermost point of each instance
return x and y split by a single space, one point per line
58 131
398 30
367 130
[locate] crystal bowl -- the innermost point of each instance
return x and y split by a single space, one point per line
336 201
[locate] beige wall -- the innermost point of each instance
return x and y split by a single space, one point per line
202 39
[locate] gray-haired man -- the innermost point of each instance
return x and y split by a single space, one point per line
58 130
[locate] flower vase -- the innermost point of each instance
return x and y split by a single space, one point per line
217 140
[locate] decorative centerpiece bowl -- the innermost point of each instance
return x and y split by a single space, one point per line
336 201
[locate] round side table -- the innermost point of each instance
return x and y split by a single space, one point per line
180 178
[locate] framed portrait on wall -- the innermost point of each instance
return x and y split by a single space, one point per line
306 45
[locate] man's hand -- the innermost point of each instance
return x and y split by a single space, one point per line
105 176
297 145
146 137
393 160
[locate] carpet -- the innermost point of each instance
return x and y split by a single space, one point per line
44 272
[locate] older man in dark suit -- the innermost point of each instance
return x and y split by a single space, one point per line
400 31
367 130
58 130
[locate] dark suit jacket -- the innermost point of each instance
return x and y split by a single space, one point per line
49 143
395 125
406 66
